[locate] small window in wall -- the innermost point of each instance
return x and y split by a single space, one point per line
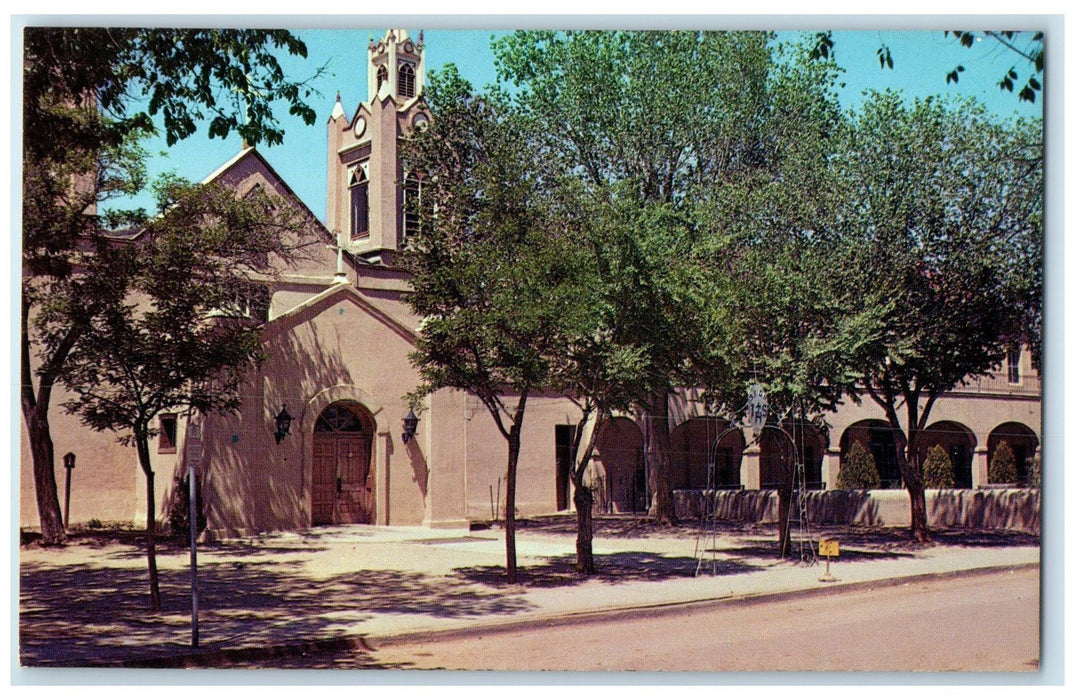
406 80
382 76
1013 365
167 441
360 204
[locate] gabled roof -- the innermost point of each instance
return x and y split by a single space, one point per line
249 152
293 317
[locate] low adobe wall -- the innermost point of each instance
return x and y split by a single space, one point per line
992 509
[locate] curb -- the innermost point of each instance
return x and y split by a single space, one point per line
210 659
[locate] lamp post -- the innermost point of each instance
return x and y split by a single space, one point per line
69 465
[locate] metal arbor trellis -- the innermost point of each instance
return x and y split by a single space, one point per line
754 415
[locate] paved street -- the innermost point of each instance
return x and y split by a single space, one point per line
970 623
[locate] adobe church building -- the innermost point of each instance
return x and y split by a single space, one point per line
337 339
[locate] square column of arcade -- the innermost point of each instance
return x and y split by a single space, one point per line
830 468
979 473
750 468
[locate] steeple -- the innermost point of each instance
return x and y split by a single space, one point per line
367 180
396 67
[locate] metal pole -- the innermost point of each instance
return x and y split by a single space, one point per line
192 476
193 448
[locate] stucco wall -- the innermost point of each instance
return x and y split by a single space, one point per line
999 509
107 483
332 350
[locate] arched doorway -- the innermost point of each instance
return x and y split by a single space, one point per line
692 451
1023 443
882 442
622 488
694 448
958 442
343 486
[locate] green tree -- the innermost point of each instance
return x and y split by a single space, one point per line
779 316
1002 466
858 470
88 95
604 370
180 338
639 120
937 469
943 202
491 278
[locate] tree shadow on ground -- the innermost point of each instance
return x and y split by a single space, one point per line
102 612
618 568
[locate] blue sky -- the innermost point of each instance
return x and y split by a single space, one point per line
921 61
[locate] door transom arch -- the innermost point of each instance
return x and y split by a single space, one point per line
343 480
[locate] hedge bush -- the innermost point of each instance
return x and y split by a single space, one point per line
937 470
858 470
1002 466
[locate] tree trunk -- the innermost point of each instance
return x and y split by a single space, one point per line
151 523
584 563
42 452
919 521
916 488
514 441
35 413
658 441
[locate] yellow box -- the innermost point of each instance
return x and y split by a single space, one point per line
828 548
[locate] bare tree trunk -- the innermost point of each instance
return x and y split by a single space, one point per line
913 481
509 503
584 563
35 413
584 496
659 441
42 453
919 521
151 523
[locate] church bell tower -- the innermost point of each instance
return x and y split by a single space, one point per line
368 181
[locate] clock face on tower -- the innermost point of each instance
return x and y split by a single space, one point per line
420 121
360 127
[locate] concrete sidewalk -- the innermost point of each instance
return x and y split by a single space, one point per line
87 604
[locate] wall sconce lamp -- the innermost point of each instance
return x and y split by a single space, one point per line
283 424
410 425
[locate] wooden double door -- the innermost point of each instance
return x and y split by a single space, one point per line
343 485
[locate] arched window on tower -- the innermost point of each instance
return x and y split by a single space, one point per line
416 207
406 80
360 203
382 76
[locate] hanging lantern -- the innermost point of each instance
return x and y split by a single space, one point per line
410 426
283 424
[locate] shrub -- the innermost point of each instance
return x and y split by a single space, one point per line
1035 472
179 513
1002 466
858 470
937 470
